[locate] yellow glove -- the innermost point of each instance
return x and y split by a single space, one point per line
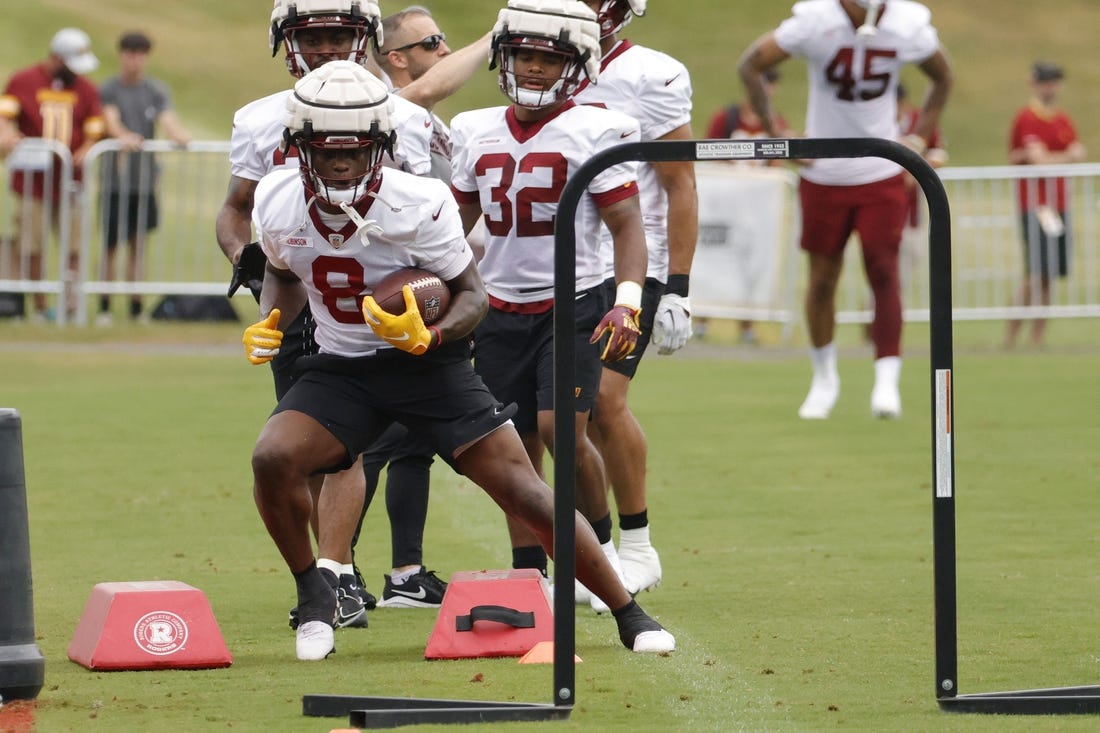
406 331
262 340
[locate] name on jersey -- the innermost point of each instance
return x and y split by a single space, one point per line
298 242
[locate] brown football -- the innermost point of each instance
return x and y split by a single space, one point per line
432 295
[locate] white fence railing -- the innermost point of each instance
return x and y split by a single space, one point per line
748 265
757 232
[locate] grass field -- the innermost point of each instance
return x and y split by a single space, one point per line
797 555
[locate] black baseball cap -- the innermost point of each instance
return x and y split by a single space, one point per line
1046 71
134 41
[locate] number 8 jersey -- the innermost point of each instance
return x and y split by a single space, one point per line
853 80
516 172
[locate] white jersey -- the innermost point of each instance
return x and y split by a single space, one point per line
255 146
853 80
439 144
654 89
420 228
516 172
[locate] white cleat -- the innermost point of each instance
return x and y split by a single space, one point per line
581 595
821 399
314 640
613 557
654 642
640 563
886 401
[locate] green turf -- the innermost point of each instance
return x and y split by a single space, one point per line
797 555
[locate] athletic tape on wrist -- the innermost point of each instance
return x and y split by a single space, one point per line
677 285
629 294
438 338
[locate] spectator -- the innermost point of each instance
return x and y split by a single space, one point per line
739 121
1042 134
654 89
134 104
855 53
54 101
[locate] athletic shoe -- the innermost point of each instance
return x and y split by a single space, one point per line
640 562
885 398
314 637
314 640
819 402
421 590
886 401
613 557
369 601
640 633
351 612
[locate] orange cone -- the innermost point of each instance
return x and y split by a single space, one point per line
543 653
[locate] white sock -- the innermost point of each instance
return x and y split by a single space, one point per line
330 565
888 370
639 536
823 359
401 577
347 569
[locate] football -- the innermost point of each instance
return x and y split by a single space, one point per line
432 295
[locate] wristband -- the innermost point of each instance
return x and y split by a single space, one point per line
677 285
438 337
629 293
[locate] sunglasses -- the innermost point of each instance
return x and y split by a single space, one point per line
430 43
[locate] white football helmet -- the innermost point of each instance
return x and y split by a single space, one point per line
340 106
564 27
289 17
615 14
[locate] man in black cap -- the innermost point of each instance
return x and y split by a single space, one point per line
1042 134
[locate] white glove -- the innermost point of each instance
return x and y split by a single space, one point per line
672 323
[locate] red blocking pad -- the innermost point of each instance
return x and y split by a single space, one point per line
491 613
155 624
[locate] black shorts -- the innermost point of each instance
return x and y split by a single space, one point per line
395 444
139 212
436 396
515 357
651 296
1039 246
297 342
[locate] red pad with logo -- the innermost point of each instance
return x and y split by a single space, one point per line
156 624
492 613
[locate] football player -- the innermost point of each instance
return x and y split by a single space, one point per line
509 168
654 89
854 50
311 33
331 231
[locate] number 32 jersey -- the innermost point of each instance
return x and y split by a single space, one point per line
516 172
853 80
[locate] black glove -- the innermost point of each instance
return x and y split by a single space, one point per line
249 270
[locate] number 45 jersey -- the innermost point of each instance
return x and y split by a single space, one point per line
516 172
853 80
